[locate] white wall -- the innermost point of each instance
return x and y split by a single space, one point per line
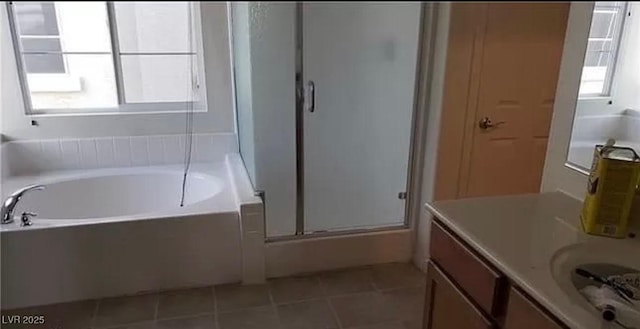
423 225
219 118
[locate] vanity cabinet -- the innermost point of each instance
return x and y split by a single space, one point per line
466 291
447 307
523 314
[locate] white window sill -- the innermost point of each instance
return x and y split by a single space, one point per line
124 109
632 112
588 97
53 82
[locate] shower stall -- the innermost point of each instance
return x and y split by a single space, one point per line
326 98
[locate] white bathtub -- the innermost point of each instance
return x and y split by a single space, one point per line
109 195
581 152
119 231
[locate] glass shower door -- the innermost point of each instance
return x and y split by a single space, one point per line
359 68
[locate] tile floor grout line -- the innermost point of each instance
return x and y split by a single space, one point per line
155 311
349 294
273 305
177 317
333 312
401 287
269 292
313 299
246 308
275 311
156 319
95 312
371 325
122 325
216 315
373 283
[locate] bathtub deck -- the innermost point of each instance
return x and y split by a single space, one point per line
388 296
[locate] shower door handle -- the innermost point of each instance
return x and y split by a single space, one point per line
310 96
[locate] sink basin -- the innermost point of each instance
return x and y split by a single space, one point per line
605 258
604 270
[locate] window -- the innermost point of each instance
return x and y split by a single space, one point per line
107 56
602 47
38 28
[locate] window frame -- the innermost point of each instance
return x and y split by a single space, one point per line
611 68
123 107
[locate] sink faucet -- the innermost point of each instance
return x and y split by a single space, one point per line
8 206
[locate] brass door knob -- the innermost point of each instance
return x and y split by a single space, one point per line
486 123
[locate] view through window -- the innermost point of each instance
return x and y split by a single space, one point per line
604 39
111 56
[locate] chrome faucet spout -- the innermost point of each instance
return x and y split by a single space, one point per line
9 205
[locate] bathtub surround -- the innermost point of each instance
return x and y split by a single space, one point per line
252 221
595 122
211 241
37 156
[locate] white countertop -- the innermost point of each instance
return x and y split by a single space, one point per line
520 235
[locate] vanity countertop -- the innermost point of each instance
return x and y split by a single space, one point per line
520 235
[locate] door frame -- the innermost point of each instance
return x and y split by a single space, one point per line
559 174
464 53
424 68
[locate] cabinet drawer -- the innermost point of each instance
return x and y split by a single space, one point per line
446 307
479 280
523 314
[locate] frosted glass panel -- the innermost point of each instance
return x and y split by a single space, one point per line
153 26
157 78
362 58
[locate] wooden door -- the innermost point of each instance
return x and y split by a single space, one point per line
502 64
521 54
446 307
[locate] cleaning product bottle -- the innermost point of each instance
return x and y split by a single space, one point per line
611 188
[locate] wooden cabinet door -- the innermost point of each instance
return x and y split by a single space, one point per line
446 307
523 314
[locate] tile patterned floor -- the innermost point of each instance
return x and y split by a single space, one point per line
388 296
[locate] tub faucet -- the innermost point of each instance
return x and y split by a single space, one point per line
6 212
